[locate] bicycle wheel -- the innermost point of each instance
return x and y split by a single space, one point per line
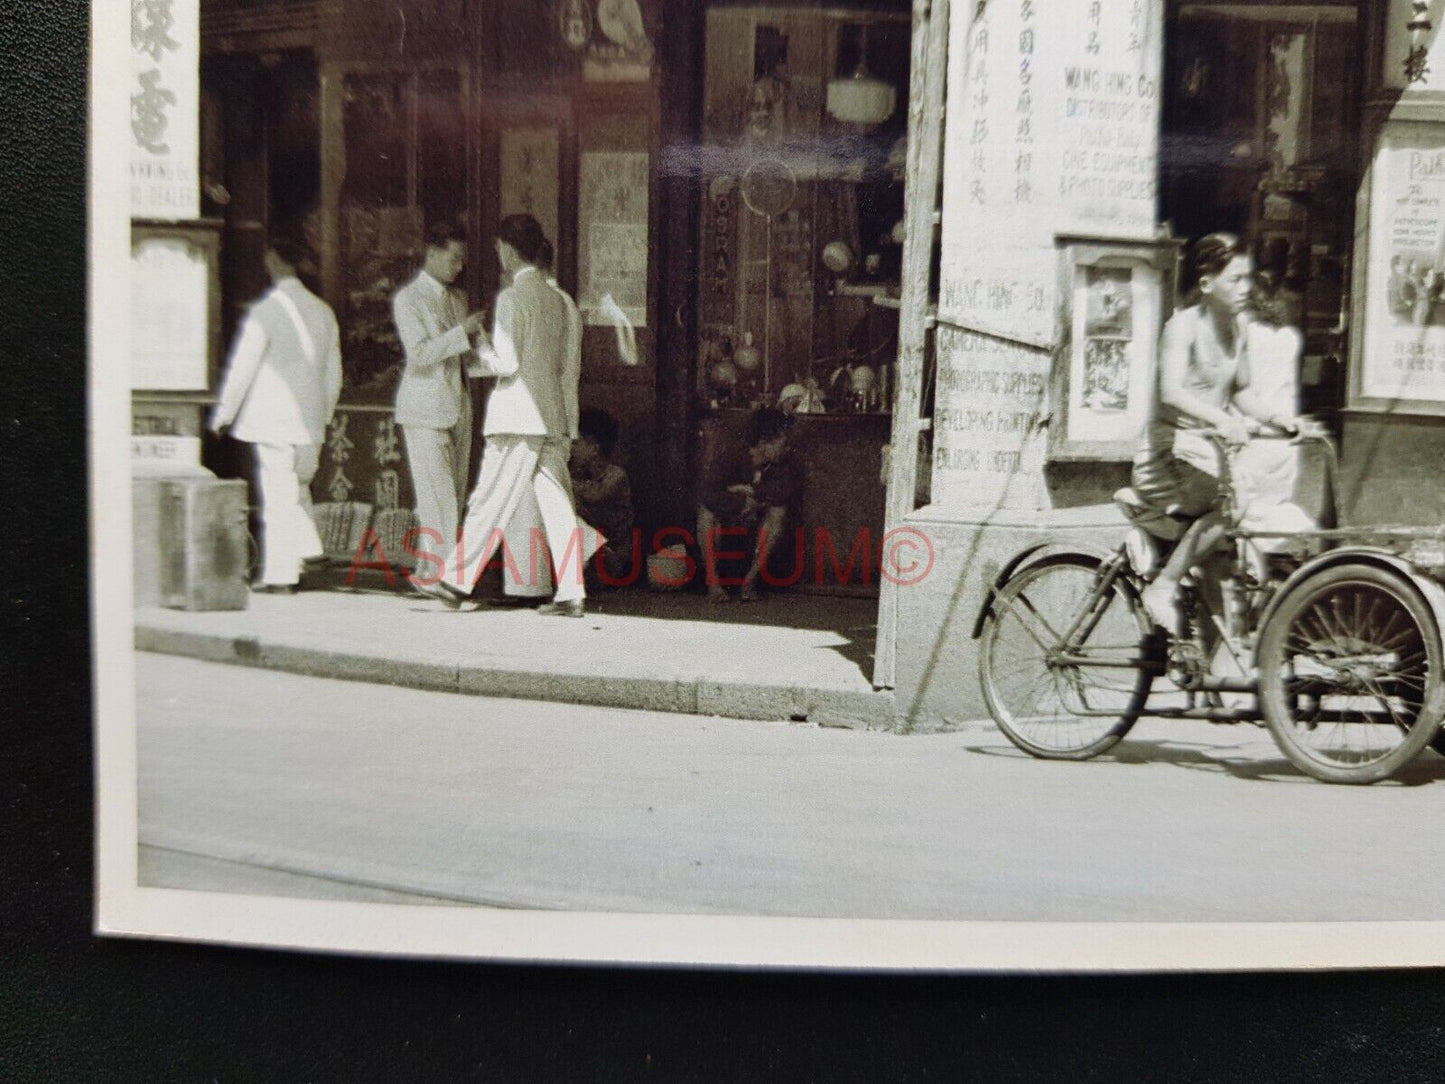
1065 709
1350 675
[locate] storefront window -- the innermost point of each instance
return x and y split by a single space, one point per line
802 207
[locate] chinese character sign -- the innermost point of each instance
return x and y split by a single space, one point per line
164 108
1052 128
612 221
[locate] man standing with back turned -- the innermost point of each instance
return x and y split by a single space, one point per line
531 421
280 389
433 404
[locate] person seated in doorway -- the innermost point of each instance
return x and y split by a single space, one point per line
748 488
603 491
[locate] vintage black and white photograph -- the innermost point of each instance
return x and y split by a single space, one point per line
854 483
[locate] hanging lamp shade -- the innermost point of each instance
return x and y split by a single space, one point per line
861 98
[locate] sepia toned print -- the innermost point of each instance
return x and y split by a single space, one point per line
729 483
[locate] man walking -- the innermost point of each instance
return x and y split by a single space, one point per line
531 421
281 387
433 403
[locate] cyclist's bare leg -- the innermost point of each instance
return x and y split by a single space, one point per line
1159 598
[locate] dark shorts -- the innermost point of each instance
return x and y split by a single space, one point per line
1173 485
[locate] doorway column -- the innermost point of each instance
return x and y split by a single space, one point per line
1052 130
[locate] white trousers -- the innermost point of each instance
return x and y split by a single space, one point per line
288 530
438 460
513 467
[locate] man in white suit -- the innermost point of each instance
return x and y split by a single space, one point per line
433 403
531 421
280 390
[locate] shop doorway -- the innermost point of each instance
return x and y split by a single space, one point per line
1261 138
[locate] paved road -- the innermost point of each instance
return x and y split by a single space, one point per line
275 783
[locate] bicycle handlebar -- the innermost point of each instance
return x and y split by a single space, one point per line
1310 432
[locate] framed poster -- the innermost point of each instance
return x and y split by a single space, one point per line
1116 297
1402 363
175 304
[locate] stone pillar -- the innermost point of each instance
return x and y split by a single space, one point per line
1052 130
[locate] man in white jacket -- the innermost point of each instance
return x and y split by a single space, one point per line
531 422
280 390
433 401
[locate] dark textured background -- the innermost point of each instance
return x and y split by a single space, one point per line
74 1008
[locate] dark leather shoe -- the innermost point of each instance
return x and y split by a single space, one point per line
274 588
446 594
570 608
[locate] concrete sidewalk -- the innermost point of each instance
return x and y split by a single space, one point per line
793 657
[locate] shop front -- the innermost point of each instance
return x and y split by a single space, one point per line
723 184
355 125
1081 155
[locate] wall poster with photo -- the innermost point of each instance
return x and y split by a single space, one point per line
1402 362
1116 296
612 235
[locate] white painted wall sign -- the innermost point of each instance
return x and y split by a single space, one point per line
169 311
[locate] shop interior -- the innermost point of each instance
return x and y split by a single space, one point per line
1261 138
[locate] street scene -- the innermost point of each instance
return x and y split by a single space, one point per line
947 461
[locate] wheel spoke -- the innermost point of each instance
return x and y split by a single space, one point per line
1053 709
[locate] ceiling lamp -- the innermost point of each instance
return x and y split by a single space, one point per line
1419 26
861 98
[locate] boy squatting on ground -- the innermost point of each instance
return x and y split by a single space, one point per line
747 487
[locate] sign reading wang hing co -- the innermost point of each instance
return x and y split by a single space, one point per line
164 108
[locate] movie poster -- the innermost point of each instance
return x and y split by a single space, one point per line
1404 355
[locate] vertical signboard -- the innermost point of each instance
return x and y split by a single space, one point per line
1398 44
988 447
165 40
1053 129
529 168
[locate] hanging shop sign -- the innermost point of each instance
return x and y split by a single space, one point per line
528 182
165 40
1404 356
612 229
